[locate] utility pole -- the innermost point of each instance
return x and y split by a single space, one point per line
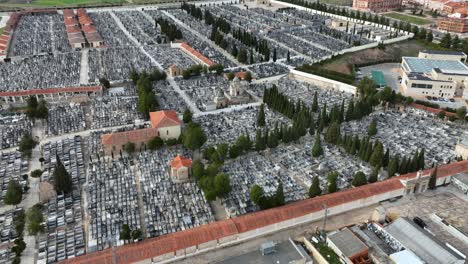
324 206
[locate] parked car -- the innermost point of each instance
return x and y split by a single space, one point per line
419 222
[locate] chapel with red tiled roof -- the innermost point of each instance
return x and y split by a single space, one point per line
164 124
180 168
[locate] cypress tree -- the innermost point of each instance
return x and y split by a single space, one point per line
377 155
279 196
317 148
421 160
372 130
332 184
386 158
62 179
315 103
314 189
333 133
392 167
359 179
350 111
373 177
261 116
433 179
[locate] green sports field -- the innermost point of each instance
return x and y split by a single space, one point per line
407 18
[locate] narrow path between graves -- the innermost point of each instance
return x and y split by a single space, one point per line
141 208
197 34
84 70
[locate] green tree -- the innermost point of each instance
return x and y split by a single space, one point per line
429 37
333 133
222 150
446 41
441 114
261 116
31 106
256 194
377 155
34 219
125 233
461 112
42 111
222 184
317 148
62 179
372 129
279 195
129 147
374 176
242 56
359 179
248 76
433 179
315 107
26 145
14 193
392 167
187 117
198 169
36 173
194 137
155 143
332 182
314 189
136 234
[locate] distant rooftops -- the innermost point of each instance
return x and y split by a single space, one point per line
420 65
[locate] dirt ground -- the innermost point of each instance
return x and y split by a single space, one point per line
391 52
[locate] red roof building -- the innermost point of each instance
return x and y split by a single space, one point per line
196 55
164 118
180 161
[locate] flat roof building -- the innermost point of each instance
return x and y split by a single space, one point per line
434 77
348 246
423 244
405 257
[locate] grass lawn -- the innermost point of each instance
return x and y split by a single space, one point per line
407 18
328 253
1 31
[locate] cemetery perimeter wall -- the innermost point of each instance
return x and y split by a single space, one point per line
322 81
183 244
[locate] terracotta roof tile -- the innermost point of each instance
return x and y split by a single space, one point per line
197 54
430 109
164 118
180 161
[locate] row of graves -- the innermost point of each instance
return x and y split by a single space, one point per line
64 235
12 128
405 133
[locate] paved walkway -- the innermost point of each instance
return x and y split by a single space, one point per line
84 70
